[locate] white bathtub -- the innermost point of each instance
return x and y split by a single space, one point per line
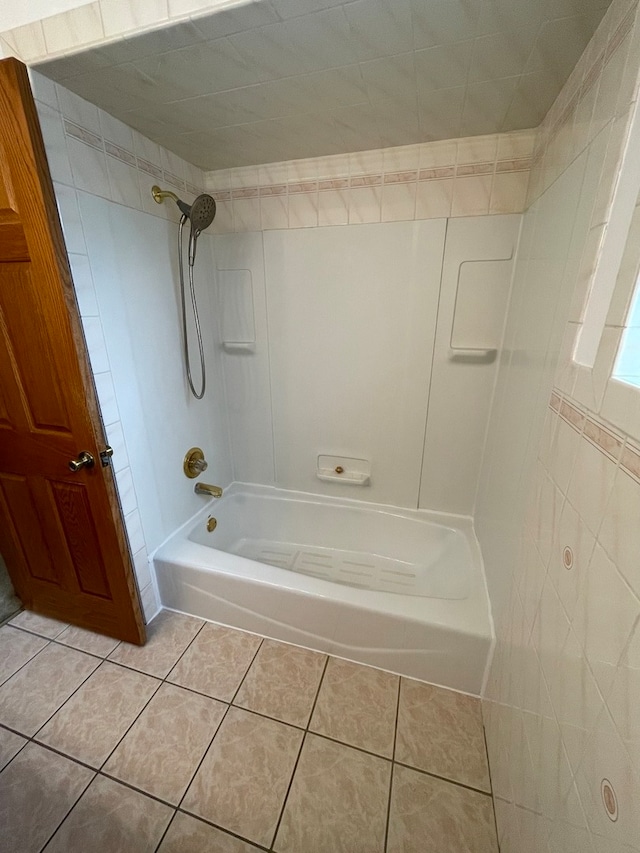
403 590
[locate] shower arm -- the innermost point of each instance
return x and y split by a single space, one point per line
160 195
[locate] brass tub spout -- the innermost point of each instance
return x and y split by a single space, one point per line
206 489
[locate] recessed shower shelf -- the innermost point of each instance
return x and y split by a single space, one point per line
352 479
239 346
344 469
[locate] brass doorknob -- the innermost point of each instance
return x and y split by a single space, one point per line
84 460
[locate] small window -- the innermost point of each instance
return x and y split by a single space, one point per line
627 367
611 249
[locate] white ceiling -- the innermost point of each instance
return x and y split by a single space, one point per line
287 79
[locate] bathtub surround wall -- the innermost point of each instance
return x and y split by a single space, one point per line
337 342
128 301
560 496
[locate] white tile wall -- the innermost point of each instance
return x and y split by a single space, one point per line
464 177
93 155
558 504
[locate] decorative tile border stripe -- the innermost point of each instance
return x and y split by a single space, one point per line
630 461
572 416
83 135
377 179
88 137
119 153
613 445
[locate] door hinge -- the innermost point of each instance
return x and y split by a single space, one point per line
105 456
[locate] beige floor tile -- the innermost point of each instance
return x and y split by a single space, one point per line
162 750
337 803
243 780
89 726
189 835
36 791
167 637
112 818
282 682
357 705
37 624
16 648
10 745
33 694
433 816
441 731
216 661
88 641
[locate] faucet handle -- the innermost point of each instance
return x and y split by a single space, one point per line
194 463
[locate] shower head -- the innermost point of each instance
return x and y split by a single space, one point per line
201 213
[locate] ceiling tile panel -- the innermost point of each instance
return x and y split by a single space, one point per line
276 79
390 77
443 67
506 16
269 52
322 40
534 95
486 105
443 22
227 22
295 8
440 113
380 28
197 70
338 87
494 57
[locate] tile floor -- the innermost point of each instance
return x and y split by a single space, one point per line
211 739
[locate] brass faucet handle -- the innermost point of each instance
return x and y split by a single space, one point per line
194 463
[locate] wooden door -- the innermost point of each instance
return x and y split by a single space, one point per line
61 533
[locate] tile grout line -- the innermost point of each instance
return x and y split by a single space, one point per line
393 756
229 832
33 657
145 706
493 799
217 729
52 749
445 779
230 704
64 645
302 742
166 830
97 772
275 719
161 682
242 680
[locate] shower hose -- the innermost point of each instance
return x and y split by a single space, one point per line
185 338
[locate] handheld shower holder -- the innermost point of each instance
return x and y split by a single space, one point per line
200 215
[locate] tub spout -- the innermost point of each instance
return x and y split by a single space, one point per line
206 489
